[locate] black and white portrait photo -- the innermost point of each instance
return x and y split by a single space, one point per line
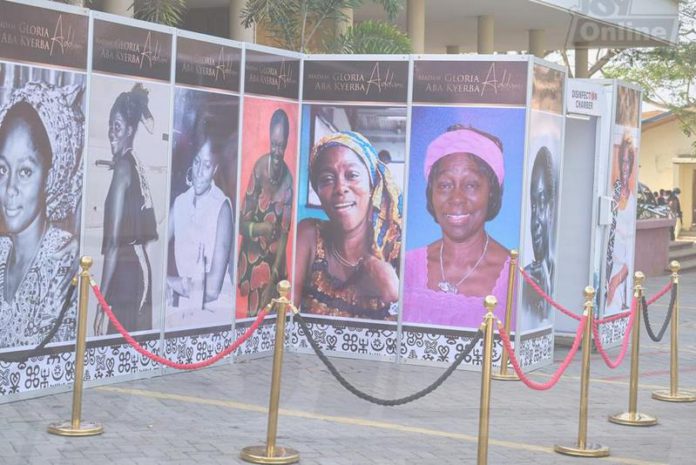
126 173
201 255
41 144
540 204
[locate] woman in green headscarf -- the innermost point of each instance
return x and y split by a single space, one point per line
348 266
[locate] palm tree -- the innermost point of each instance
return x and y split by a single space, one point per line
309 26
167 12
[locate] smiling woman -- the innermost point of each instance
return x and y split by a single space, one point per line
447 280
347 266
41 139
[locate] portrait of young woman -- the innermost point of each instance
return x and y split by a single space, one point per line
41 144
464 188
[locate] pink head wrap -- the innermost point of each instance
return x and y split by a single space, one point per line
466 141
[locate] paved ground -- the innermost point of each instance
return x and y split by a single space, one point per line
206 417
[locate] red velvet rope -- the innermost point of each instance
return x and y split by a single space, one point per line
624 344
659 295
528 279
561 369
179 366
611 318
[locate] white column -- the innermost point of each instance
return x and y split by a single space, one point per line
237 30
119 7
485 31
452 49
415 14
537 43
582 68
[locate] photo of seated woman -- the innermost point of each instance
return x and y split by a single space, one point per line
201 217
347 262
464 188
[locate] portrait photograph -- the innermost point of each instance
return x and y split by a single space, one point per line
42 137
541 203
620 247
350 213
627 107
126 209
266 199
200 259
465 184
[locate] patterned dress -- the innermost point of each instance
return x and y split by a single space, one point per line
30 314
324 294
263 203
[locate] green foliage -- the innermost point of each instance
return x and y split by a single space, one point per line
371 37
666 74
168 12
309 25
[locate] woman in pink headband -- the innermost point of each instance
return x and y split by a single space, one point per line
446 281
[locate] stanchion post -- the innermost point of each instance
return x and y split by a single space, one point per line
271 453
582 448
633 417
503 375
74 426
674 394
489 302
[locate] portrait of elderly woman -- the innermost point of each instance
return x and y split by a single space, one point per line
266 216
447 280
622 229
129 219
347 266
41 142
542 201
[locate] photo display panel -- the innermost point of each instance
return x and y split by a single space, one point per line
465 185
267 190
541 203
350 204
199 295
43 58
126 183
617 281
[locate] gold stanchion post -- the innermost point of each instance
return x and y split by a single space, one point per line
504 375
633 417
674 394
74 426
489 302
582 448
271 453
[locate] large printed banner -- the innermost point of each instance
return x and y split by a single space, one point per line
267 187
43 57
617 286
127 163
541 205
203 186
350 203
465 187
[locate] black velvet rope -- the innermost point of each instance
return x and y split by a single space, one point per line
668 318
24 356
375 400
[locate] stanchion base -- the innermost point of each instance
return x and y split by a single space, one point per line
85 429
633 419
680 396
257 454
590 450
505 377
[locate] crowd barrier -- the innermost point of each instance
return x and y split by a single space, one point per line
587 328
